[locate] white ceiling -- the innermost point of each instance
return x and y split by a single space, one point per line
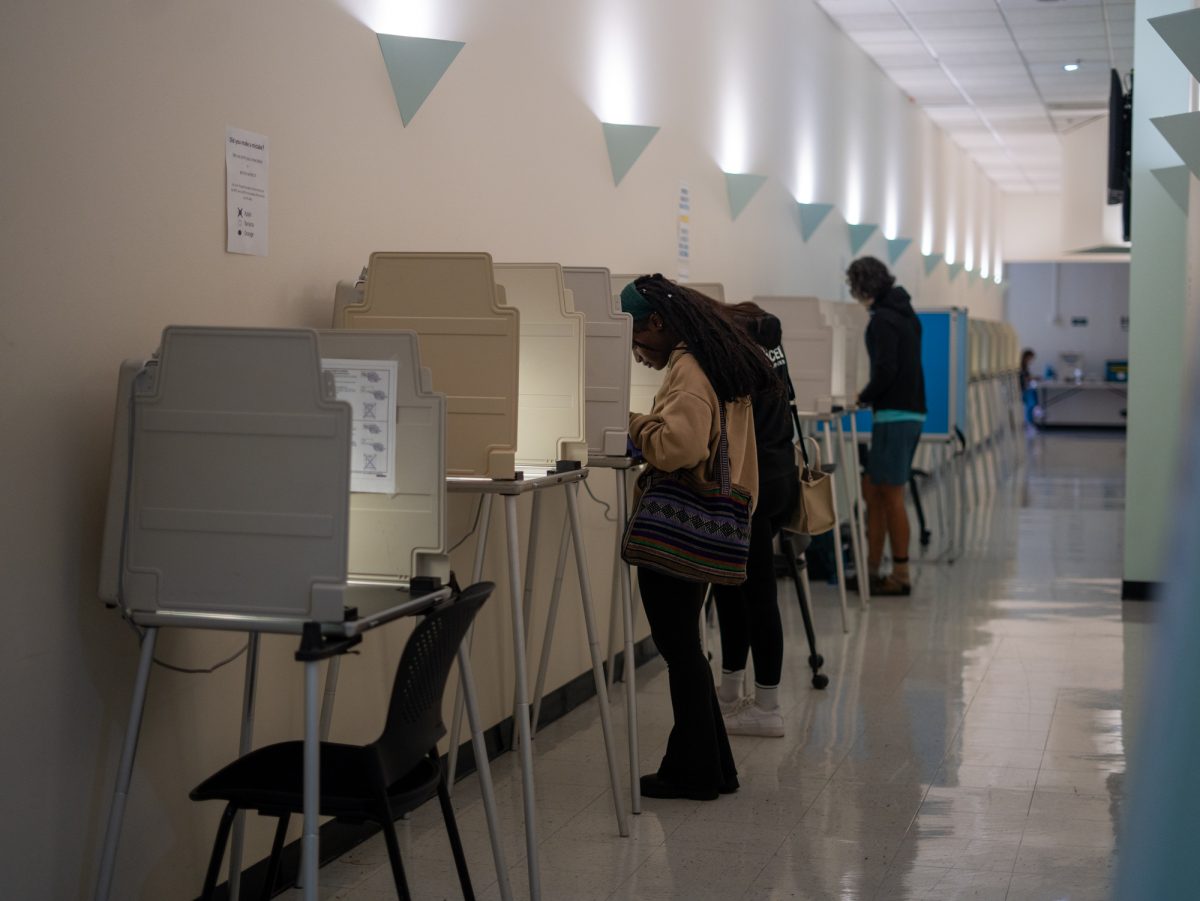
990 72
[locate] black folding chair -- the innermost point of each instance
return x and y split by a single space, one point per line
378 782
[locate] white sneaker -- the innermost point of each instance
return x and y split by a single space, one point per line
747 718
729 707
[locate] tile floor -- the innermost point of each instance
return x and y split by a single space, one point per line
971 743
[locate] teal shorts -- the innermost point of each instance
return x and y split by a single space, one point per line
893 445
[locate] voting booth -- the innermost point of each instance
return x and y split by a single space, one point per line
851 365
550 409
944 361
469 340
230 481
235 455
808 344
607 371
398 484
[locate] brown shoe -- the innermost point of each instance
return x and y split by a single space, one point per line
889 586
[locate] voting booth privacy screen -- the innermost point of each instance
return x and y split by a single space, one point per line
607 371
230 482
469 340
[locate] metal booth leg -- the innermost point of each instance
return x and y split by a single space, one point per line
535 518
310 841
859 520
589 619
247 738
838 564
116 812
484 768
629 672
560 569
522 708
485 517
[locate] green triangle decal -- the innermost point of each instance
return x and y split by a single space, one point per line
1183 134
1181 31
811 217
859 235
625 144
741 187
931 262
415 66
955 269
896 248
1175 180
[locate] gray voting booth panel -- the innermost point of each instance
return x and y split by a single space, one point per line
395 537
469 340
550 411
607 373
808 342
235 491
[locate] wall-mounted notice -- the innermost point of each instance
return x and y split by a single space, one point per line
369 387
247 159
683 233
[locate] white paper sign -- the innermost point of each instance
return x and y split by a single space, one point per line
683 233
369 386
247 159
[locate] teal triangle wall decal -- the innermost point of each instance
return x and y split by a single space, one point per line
415 66
931 262
1181 31
896 248
625 144
741 187
860 233
955 269
1183 134
1175 180
811 217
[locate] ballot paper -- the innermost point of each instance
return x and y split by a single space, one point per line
369 387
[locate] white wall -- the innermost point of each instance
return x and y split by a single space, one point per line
1087 219
112 189
1098 292
1033 226
1158 302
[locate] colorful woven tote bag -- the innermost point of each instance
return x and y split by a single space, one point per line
691 529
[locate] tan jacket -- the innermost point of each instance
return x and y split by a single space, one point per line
684 427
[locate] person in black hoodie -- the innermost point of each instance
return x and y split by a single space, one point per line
749 613
896 395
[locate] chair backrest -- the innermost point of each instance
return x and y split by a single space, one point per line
414 718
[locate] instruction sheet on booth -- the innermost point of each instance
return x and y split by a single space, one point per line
369 387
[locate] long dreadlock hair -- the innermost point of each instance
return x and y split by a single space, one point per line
735 365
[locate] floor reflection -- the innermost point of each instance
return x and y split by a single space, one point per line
971 744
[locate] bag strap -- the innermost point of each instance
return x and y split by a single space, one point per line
792 403
723 456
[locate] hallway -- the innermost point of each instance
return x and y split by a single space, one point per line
971 744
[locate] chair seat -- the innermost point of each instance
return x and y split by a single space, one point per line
271 780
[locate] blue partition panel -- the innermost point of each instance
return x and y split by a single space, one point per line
944 359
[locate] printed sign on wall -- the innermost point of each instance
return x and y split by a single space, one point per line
683 233
247 159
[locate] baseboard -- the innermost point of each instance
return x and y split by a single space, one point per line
1140 591
339 837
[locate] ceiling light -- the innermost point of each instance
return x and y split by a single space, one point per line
1071 67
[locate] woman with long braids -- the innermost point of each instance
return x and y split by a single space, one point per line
708 362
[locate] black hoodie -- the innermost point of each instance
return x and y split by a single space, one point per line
772 420
894 345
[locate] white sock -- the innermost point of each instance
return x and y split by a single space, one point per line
766 696
730 688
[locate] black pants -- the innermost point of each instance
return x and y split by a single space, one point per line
749 613
698 754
